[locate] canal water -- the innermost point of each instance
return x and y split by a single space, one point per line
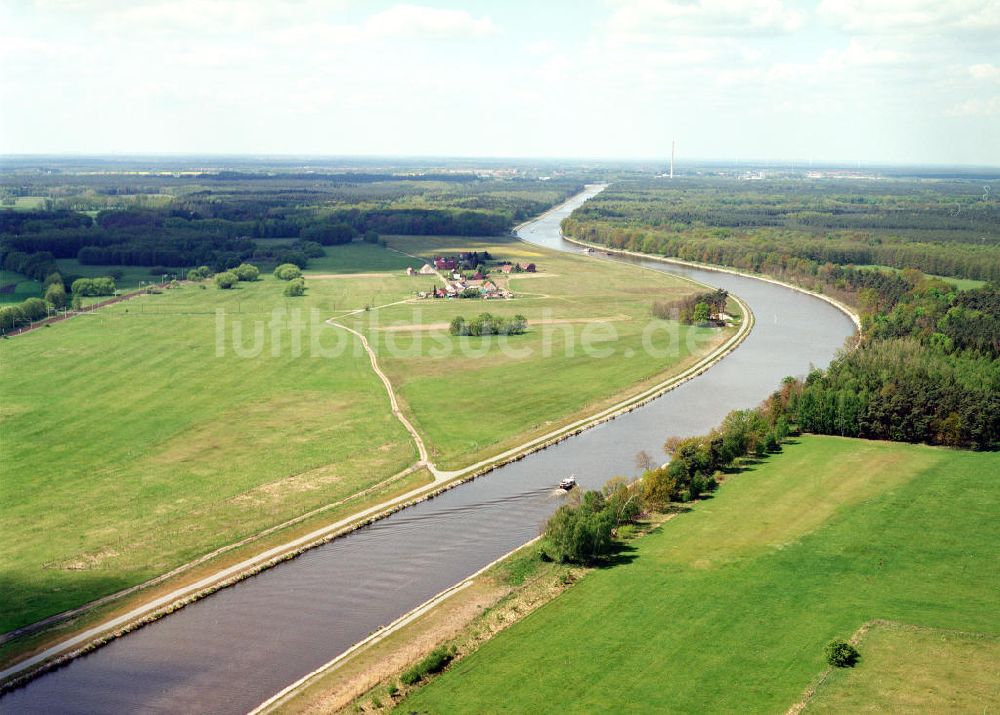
234 649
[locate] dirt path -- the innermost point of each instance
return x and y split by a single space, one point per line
548 321
421 447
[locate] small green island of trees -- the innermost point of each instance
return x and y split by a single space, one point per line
488 324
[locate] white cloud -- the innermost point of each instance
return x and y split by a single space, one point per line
417 21
207 16
862 53
540 47
664 20
15 46
985 107
930 16
985 72
725 77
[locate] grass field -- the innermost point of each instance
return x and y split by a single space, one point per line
350 258
960 283
18 287
909 670
130 446
152 431
727 607
505 387
24 203
360 257
128 277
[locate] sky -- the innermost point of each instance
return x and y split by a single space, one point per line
873 81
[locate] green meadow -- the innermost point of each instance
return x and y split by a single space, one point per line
915 670
131 445
590 327
126 277
24 203
147 433
960 283
17 287
360 257
727 607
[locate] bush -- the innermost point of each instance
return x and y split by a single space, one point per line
287 272
54 278
581 534
841 654
11 316
658 488
55 295
434 662
199 273
392 689
295 288
226 280
246 272
310 249
35 308
93 286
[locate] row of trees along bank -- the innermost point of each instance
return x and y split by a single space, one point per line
926 370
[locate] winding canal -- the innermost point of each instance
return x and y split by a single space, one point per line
230 651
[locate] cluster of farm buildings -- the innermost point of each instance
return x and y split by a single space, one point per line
466 276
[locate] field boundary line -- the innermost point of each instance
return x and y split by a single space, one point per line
858 637
69 314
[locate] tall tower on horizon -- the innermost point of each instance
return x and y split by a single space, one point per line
673 146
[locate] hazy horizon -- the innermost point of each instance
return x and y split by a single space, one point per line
903 83
623 161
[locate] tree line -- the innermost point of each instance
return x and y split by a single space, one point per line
927 369
584 530
810 225
693 309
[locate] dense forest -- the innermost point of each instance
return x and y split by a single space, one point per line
944 227
219 225
171 222
927 368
